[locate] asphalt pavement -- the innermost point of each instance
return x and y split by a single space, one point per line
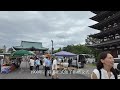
25 73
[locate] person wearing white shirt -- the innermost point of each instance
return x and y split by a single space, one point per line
31 63
44 63
54 69
105 68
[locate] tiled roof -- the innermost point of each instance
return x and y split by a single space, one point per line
27 44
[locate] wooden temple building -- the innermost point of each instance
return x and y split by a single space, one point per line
32 46
108 39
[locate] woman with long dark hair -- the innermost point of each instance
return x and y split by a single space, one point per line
105 68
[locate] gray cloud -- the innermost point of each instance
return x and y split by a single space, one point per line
63 27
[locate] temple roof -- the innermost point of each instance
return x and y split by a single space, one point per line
96 12
101 16
30 46
107 21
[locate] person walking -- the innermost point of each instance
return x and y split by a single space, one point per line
31 63
47 66
69 62
54 69
37 64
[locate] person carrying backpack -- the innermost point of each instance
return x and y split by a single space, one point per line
104 68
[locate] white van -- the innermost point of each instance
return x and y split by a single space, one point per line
79 61
82 59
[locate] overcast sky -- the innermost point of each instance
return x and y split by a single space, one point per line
63 27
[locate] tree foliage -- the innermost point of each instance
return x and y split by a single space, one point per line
79 49
90 40
1 50
57 50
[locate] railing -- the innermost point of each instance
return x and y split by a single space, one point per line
109 42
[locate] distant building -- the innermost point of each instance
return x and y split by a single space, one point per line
31 46
3 49
6 57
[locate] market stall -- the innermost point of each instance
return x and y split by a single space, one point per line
7 68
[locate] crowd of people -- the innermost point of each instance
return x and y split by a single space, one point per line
104 67
49 65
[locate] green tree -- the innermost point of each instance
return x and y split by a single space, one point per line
91 40
1 51
77 49
80 49
55 51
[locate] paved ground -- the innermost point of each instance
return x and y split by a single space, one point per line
27 74
88 68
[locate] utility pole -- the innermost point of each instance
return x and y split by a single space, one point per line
4 49
52 46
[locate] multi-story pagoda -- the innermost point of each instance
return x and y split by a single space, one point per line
108 39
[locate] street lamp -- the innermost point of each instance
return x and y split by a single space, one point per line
52 46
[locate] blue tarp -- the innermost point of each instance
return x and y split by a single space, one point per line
65 54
